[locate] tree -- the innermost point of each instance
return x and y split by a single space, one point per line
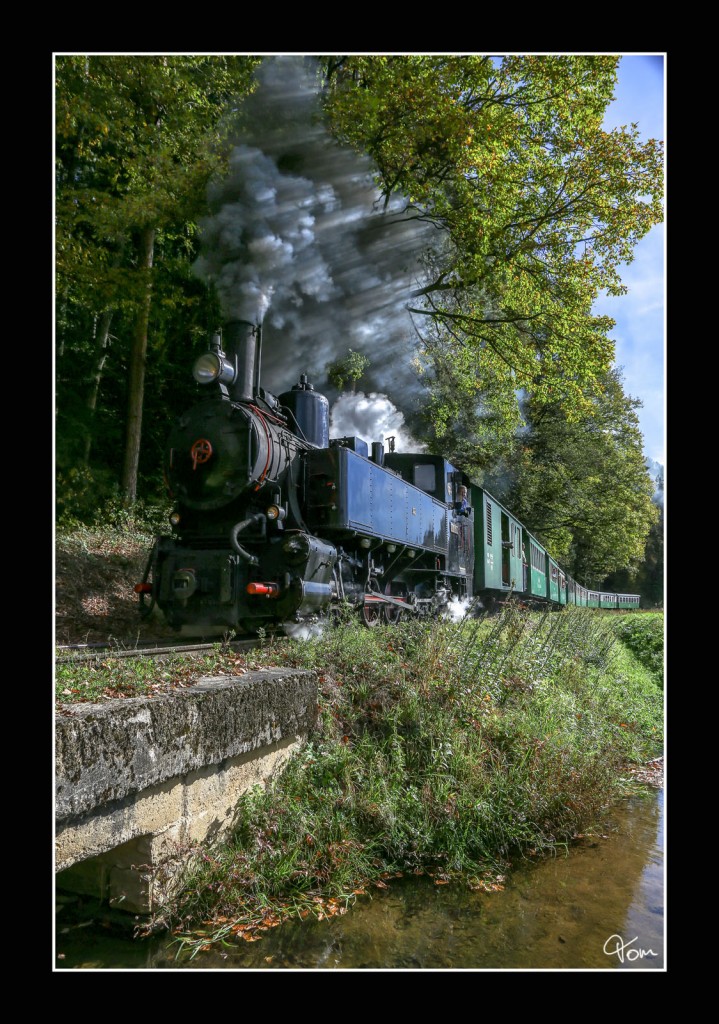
350 369
539 205
467 417
138 138
582 486
648 578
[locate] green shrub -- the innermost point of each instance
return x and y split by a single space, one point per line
644 636
142 519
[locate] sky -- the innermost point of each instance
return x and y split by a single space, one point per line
640 314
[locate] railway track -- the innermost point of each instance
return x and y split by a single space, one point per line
101 652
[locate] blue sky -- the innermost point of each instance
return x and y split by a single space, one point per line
640 322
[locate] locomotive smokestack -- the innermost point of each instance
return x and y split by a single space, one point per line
241 345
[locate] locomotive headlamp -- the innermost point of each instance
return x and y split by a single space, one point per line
275 513
212 366
175 518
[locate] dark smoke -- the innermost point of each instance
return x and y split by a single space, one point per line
300 242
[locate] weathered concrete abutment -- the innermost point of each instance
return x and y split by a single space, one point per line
141 779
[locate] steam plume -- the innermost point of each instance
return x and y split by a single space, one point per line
299 242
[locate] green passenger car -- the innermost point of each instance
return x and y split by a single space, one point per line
552 579
498 563
537 568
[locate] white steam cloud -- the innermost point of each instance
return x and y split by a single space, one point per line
304 630
372 417
458 609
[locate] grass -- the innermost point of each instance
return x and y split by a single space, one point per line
644 636
446 748
80 679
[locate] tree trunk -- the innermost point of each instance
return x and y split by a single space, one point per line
136 388
103 344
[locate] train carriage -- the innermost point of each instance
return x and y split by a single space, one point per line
537 567
553 589
562 587
498 561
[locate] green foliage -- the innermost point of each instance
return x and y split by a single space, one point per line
81 679
540 206
347 370
582 486
82 505
138 139
78 493
644 636
650 577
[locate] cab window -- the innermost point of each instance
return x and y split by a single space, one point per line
424 477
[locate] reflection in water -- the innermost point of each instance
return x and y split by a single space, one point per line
645 916
599 907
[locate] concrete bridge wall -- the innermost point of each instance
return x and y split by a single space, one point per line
140 780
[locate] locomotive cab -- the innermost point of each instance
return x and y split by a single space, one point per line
430 473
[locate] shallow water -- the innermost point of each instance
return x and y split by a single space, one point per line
600 906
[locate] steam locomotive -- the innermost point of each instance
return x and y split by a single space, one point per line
274 523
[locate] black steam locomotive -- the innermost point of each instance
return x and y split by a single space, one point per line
274 523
